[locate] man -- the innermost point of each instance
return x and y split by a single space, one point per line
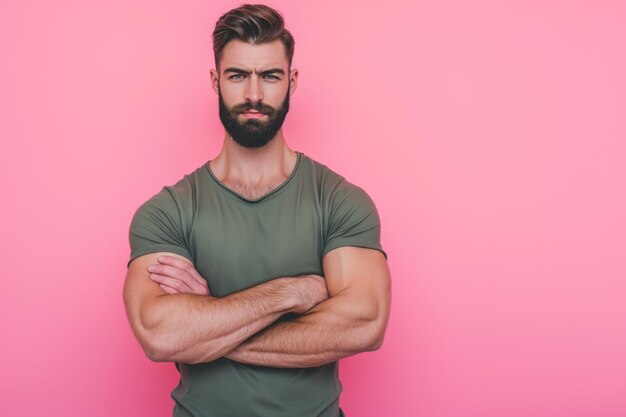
261 269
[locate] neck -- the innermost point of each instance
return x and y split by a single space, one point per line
271 163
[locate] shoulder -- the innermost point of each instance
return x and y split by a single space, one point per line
185 190
335 189
162 223
350 217
179 195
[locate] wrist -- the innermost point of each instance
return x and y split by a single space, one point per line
286 295
304 292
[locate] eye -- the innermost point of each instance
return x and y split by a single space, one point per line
271 77
235 77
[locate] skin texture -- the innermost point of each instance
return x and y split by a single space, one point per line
193 328
169 305
352 320
253 171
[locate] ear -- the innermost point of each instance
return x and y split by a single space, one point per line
293 80
215 80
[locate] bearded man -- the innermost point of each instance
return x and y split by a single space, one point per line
259 270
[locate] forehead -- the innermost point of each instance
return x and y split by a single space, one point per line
248 56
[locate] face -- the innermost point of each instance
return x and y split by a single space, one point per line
260 125
254 85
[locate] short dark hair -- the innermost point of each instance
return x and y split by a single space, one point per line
252 23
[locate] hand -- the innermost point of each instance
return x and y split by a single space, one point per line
177 276
310 291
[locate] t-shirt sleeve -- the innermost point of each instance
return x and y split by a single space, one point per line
157 227
353 220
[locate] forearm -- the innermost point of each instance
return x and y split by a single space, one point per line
338 327
193 329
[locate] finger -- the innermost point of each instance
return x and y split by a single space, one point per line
171 260
199 278
168 289
184 265
171 284
176 284
176 273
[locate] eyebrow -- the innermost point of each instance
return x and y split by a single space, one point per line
266 72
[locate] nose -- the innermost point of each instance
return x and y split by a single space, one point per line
254 92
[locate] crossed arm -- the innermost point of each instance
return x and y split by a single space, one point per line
175 318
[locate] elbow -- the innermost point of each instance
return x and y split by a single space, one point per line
375 342
164 350
374 332
149 341
369 339
368 342
156 350
155 356
158 346
160 353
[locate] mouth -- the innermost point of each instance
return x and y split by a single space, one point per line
253 114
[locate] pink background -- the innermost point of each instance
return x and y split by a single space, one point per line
490 134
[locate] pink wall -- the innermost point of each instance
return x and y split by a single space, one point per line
490 134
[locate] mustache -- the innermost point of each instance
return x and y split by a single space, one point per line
260 107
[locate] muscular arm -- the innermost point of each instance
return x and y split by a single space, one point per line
194 328
352 320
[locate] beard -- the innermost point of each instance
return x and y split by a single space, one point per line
253 133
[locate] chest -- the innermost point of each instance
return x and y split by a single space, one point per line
253 191
237 245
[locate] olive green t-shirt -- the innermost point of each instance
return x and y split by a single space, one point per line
236 243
